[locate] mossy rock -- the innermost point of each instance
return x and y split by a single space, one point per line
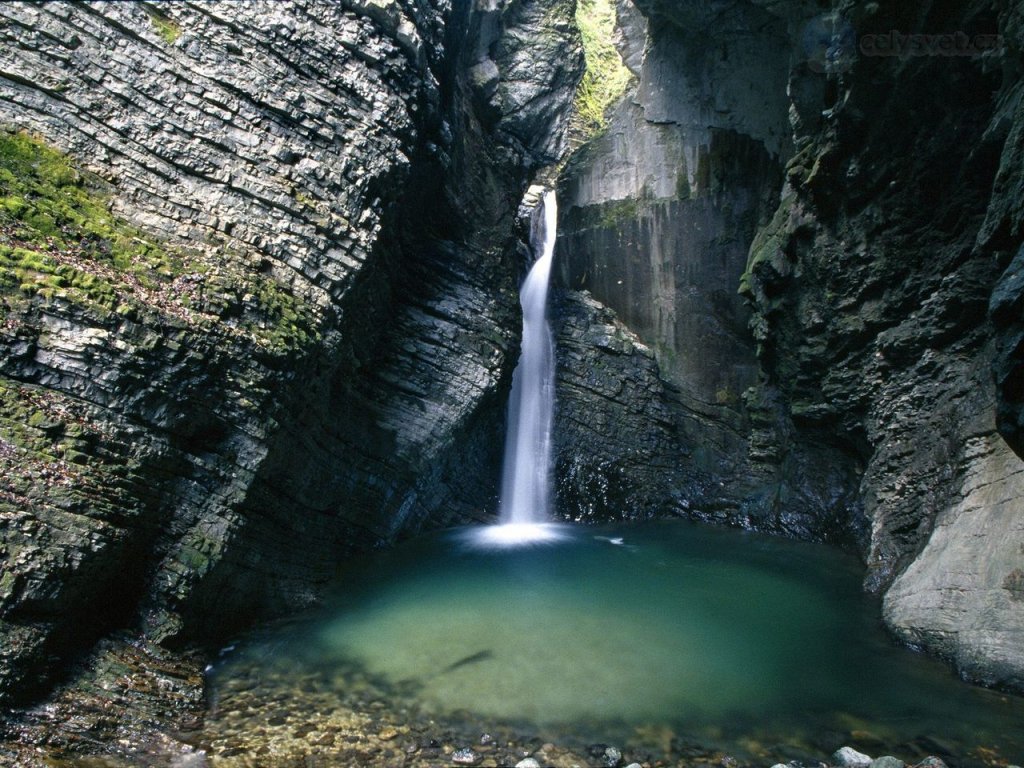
606 76
163 25
59 240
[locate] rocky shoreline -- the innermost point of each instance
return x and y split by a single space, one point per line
136 704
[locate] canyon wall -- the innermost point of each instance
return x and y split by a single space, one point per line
307 352
660 213
789 298
865 205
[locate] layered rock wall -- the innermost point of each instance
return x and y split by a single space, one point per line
326 355
871 294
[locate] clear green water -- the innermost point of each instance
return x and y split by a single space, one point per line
609 631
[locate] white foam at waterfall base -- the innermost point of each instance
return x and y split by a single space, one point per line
517 534
526 476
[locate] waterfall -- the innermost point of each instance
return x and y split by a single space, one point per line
526 482
525 504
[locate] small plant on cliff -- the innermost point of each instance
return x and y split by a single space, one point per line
165 26
606 76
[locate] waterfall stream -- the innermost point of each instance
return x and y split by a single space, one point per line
525 506
526 485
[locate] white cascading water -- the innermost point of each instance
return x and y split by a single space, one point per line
526 477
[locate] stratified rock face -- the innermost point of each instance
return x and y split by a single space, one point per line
318 364
879 197
962 592
1004 226
617 445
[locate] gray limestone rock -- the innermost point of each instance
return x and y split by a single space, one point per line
848 757
616 444
870 291
659 215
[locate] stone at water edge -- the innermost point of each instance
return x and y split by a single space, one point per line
465 756
528 762
887 761
848 757
938 762
612 757
634 765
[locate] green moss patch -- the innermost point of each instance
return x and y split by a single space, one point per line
59 240
57 234
164 25
612 215
606 76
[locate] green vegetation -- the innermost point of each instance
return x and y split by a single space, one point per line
606 76
59 240
57 236
611 215
725 396
165 26
768 245
42 426
616 213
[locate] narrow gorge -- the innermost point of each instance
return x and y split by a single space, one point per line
260 281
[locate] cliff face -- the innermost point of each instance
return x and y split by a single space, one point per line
660 214
871 290
878 197
308 347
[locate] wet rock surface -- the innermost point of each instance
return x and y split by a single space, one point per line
871 289
132 703
329 372
616 443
